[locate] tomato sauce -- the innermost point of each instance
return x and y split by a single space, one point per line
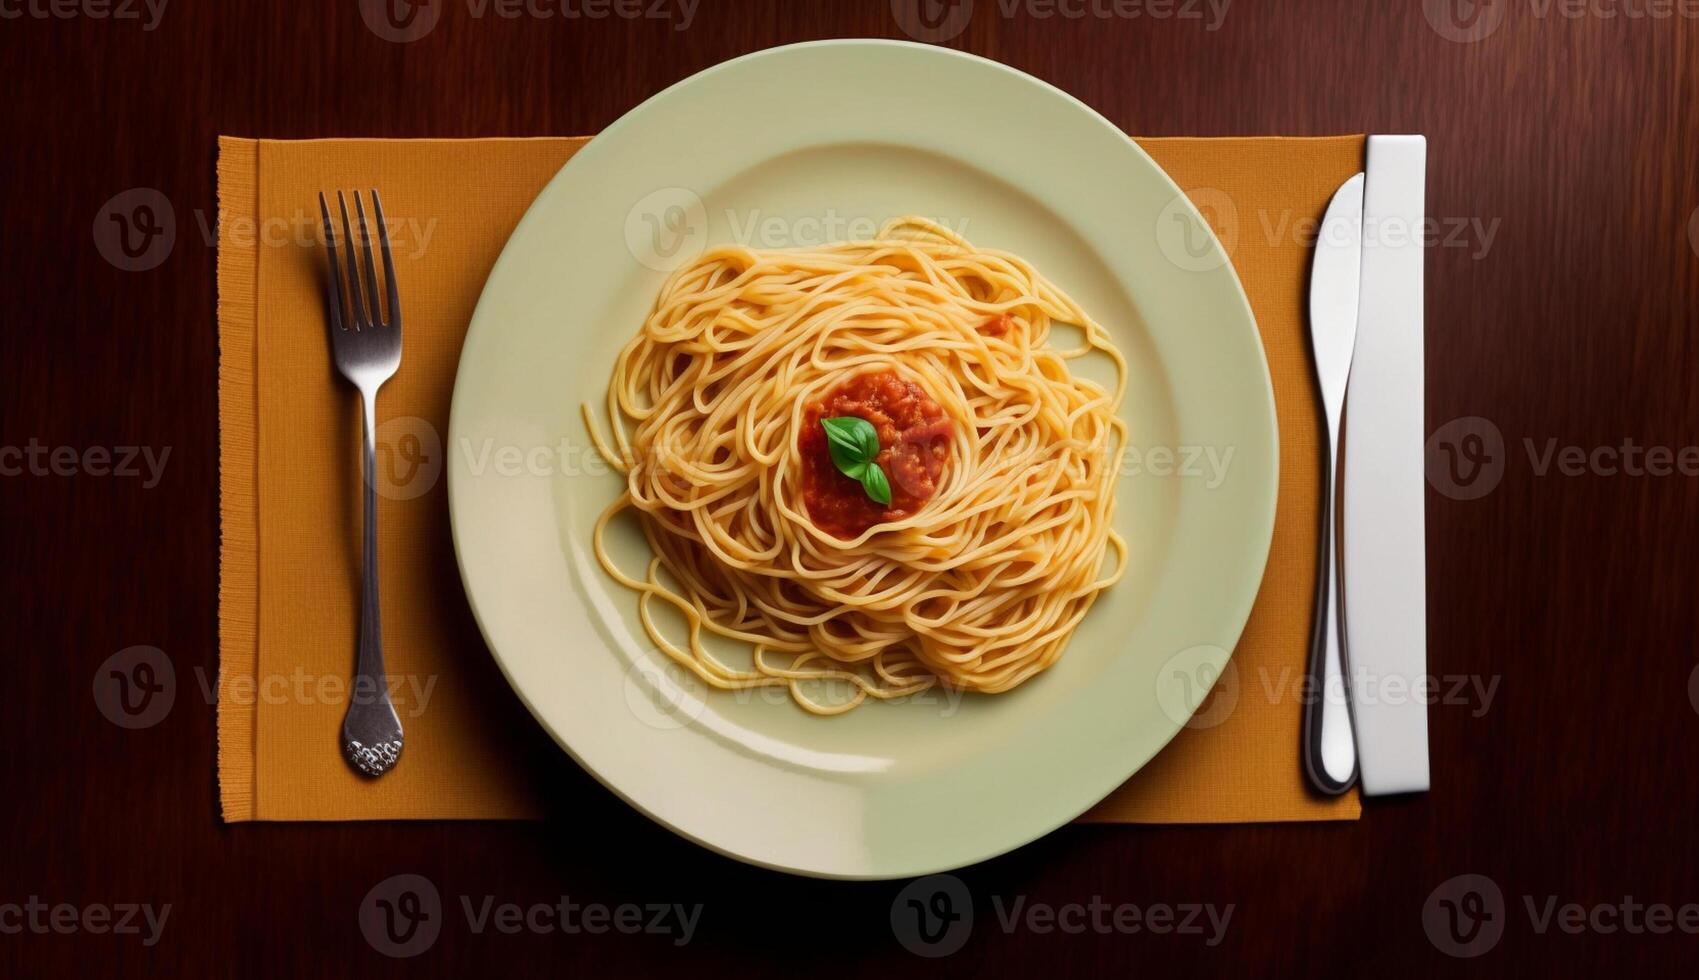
914 445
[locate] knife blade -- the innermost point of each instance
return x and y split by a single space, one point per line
1330 752
1385 479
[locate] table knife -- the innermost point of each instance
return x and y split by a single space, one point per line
1330 751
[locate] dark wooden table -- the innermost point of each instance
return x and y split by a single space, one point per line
1573 137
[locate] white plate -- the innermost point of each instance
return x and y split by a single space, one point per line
795 146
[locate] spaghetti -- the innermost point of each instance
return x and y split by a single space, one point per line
1000 463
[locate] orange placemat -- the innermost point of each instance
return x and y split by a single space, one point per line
288 590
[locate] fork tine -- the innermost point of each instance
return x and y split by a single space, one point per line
356 305
333 288
388 263
371 271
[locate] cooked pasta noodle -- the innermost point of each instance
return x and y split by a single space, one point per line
1001 463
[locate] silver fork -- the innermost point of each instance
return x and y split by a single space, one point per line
368 350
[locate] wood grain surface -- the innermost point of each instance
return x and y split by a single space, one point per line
1562 312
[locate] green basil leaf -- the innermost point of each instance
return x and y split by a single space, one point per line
869 438
854 445
852 437
848 461
877 487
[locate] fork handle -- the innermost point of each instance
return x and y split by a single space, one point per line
371 629
1330 750
371 731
